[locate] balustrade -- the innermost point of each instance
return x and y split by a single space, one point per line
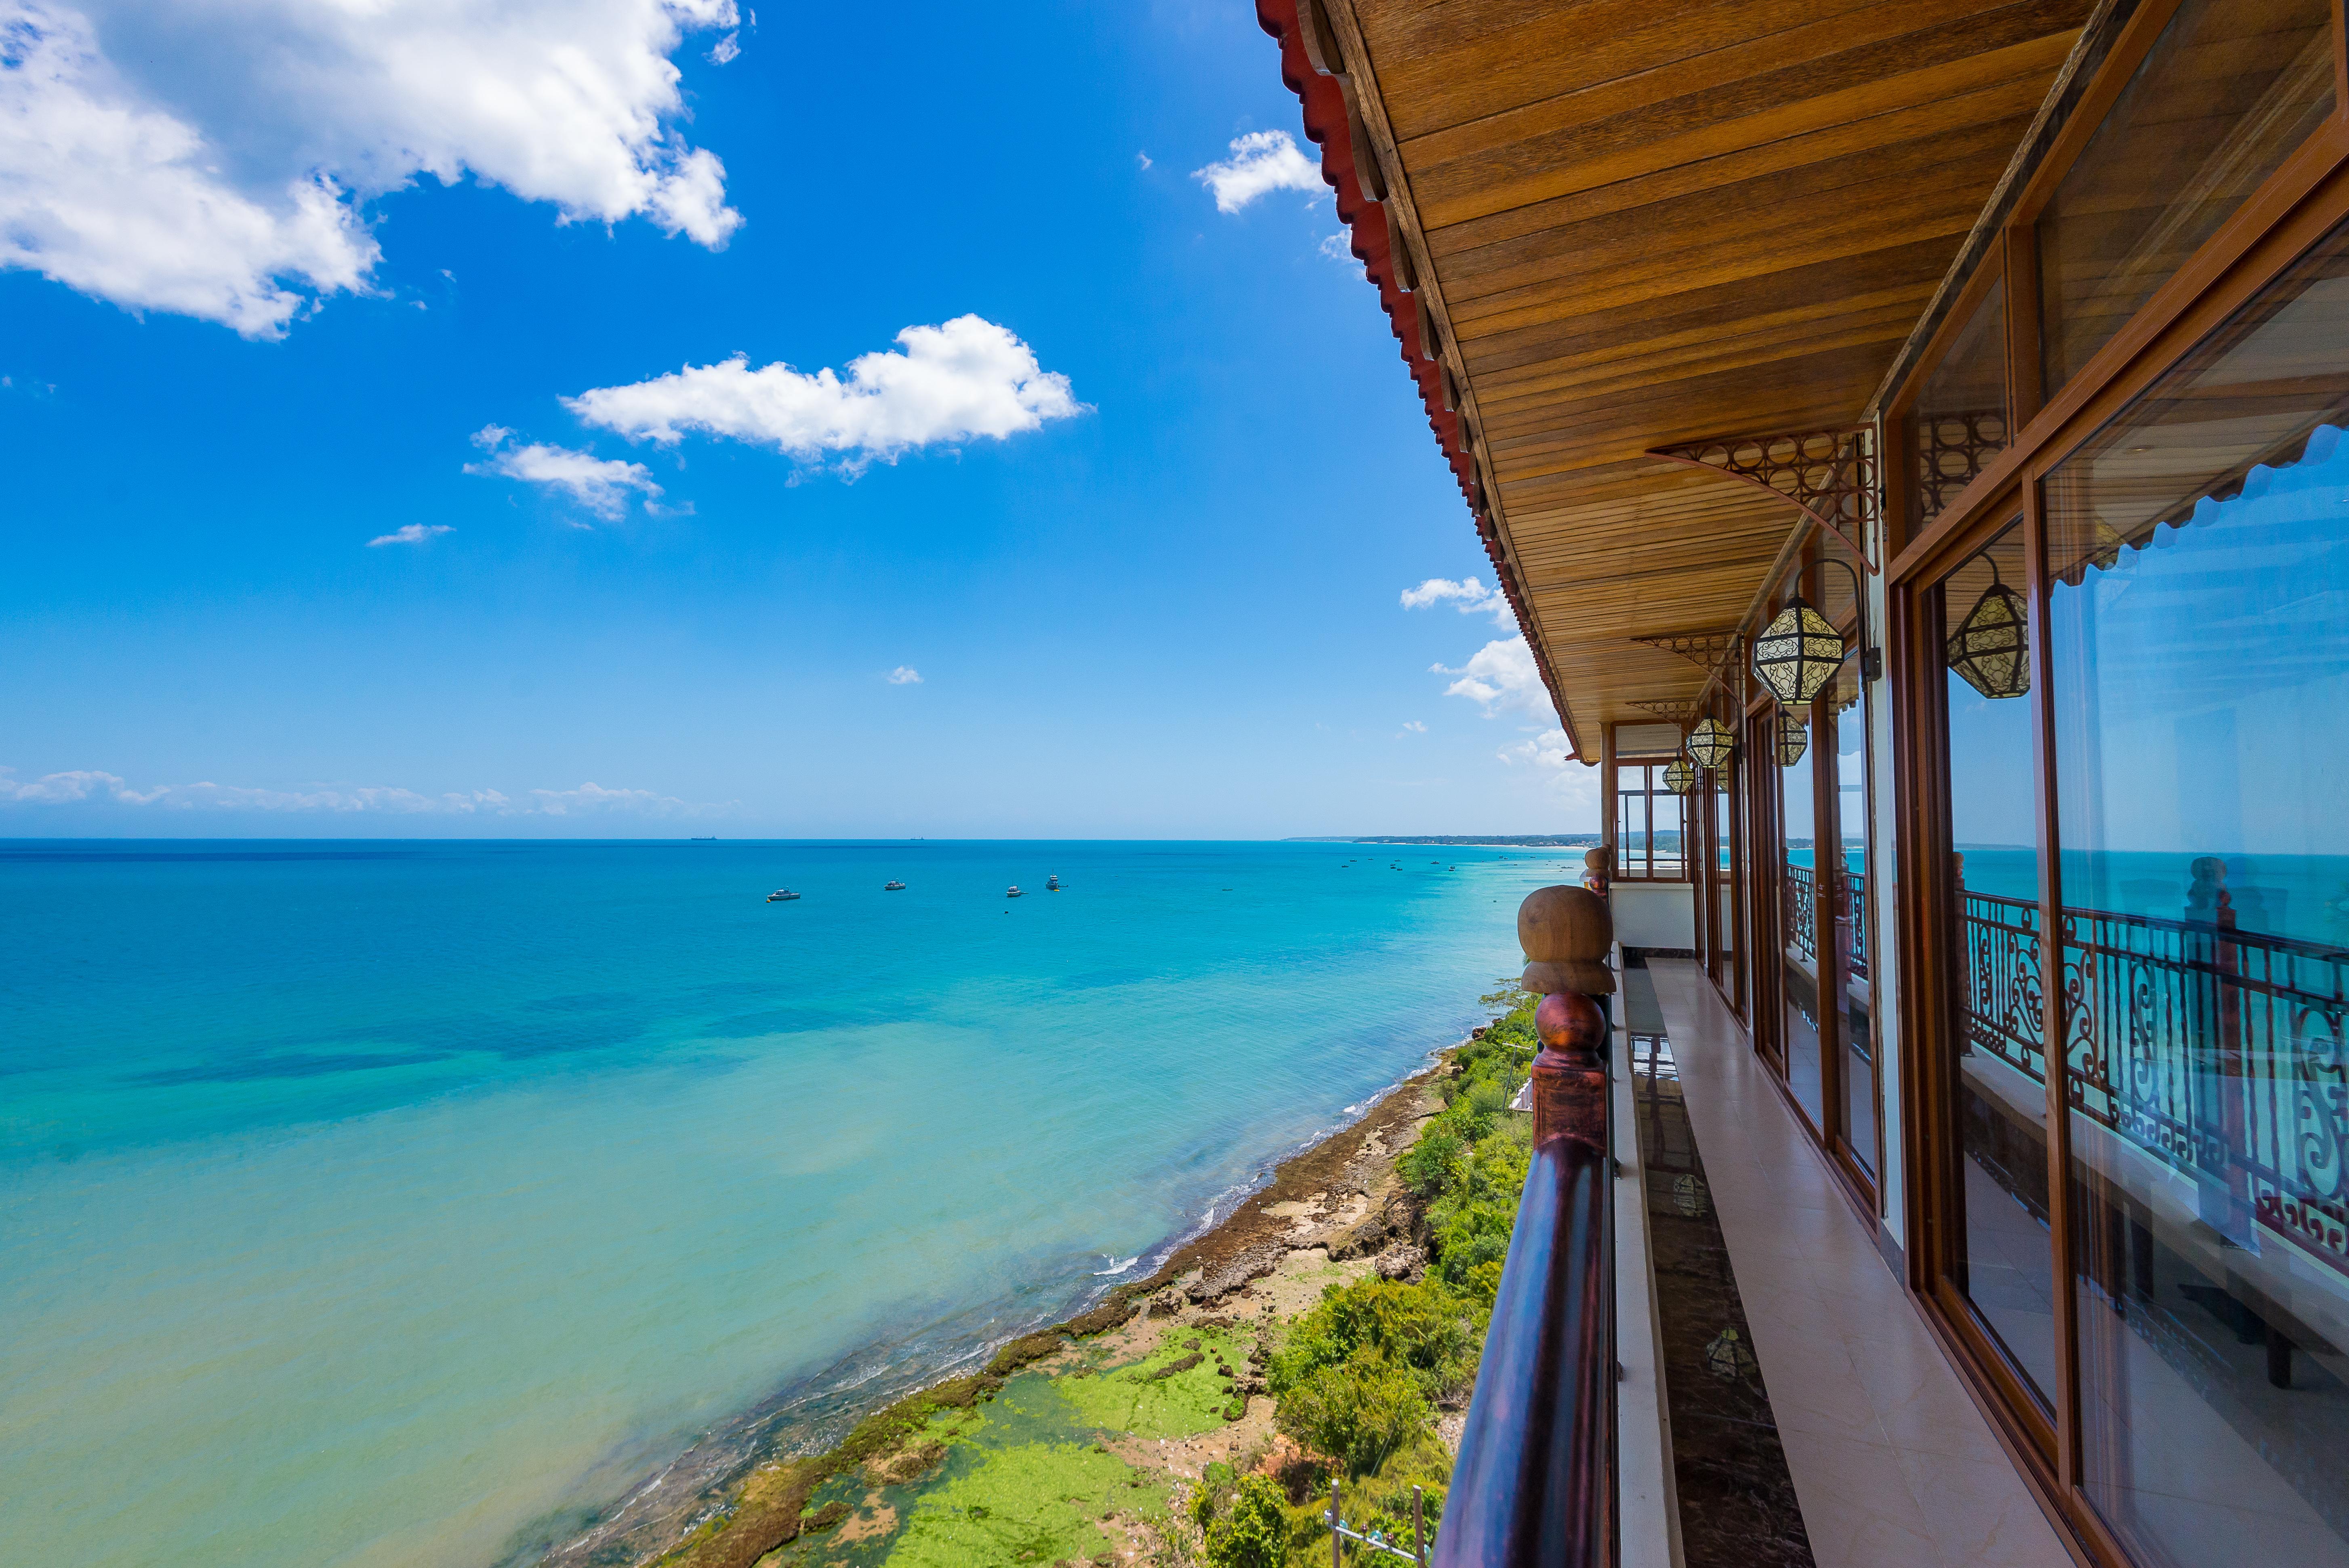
2215 1051
1802 916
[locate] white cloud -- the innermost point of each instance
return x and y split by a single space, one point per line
413 533
1569 786
727 50
602 485
66 789
1339 247
209 157
593 798
1414 727
1144 159
1261 162
1547 751
904 675
954 382
1468 596
1501 676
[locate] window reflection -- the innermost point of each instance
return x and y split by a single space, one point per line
2199 641
2228 90
1799 984
2005 1264
1959 421
1850 727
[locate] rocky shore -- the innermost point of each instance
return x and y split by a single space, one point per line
1193 1334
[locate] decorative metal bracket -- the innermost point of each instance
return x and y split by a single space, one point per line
1831 475
1703 649
1952 450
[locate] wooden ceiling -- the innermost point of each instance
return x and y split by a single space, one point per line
1640 224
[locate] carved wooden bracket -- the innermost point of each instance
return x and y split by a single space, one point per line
1671 712
1706 650
1829 474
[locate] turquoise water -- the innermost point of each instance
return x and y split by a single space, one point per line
369 1203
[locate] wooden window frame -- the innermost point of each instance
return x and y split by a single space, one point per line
2301 200
1653 788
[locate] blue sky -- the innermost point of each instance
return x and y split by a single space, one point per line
1141 517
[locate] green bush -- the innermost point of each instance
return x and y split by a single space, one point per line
1427 1166
1421 1328
1217 1484
1357 1412
1470 1223
1255 1532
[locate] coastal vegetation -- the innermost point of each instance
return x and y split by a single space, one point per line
1197 1419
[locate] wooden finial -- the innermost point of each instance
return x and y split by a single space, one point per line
1567 932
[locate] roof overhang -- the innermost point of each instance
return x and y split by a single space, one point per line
1617 241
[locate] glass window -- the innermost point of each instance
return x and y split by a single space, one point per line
1848 723
2004 1260
2227 91
2199 640
1727 960
1799 903
1959 423
1648 821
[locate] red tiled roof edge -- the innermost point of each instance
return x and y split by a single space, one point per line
1324 103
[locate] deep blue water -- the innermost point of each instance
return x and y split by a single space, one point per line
364 1202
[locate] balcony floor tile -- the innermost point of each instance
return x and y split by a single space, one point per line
1892 1462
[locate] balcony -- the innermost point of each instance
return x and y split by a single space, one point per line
1781 1400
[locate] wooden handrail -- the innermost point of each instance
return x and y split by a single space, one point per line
1536 1480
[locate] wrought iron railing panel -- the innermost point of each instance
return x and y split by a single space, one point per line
1802 911
2223 1053
1802 915
1858 883
2004 986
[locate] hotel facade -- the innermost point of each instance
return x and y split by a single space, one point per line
1910 437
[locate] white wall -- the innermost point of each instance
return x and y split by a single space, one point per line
1659 914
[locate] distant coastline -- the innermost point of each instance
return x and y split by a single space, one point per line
1458 841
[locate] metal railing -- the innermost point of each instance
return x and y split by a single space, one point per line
2221 1053
1802 915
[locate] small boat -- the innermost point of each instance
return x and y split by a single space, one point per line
1014 893
782 895
893 887
704 839
1051 885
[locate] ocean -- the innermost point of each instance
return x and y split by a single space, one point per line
394 1203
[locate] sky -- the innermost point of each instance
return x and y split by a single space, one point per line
646 418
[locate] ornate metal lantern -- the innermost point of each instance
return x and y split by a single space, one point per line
1680 775
1792 740
1711 742
1797 653
1991 649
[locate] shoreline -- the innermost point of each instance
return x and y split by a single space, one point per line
1276 1216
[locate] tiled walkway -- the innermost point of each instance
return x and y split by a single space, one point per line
1892 1462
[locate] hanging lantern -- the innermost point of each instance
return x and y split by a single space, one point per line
1990 647
1797 653
1680 775
1792 740
1711 742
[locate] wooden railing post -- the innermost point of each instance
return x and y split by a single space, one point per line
1566 933
1535 1483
